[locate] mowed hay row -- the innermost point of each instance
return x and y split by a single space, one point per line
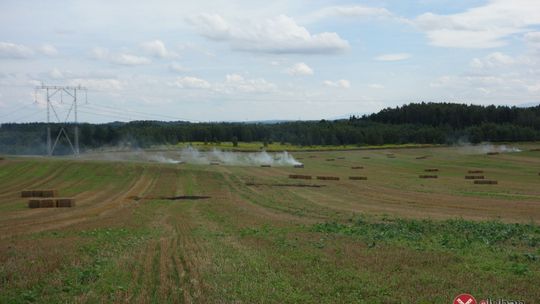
431 170
298 176
65 202
327 178
485 182
475 171
358 177
357 167
428 176
474 177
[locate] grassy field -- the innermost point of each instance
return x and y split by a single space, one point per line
260 237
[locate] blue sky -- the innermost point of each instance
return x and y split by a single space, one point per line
255 60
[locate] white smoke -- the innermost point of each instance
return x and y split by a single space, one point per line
194 156
488 148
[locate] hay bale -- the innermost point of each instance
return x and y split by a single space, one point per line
535 150
422 157
298 176
47 203
341 157
485 182
431 170
299 166
312 156
265 166
33 203
358 177
327 177
366 157
27 193
214 163
49 193
428 176
474 177
357 167
65 202
492 153
330 159
475 171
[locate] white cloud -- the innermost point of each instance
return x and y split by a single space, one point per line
176 67
56 74
15 51
393 57
48 49
533 39
105 84
279 35
237 83
156 48
376 86
481 27
118 58
342 83
300 69
495 59
189 82
355 11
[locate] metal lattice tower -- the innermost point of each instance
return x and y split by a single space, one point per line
72 92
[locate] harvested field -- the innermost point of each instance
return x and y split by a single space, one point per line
143 233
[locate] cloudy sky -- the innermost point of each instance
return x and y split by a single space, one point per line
262 60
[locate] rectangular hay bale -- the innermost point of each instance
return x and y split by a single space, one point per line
49 193
299 166
475 171
485 182
357 167
330 159
33 203
474 177
431 170
298 176
265 166
47 203
27 193
358 177
327 178
428 176
492 153
65 202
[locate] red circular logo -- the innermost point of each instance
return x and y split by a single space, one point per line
464 298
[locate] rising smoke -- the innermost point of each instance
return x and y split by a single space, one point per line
488 148
191 155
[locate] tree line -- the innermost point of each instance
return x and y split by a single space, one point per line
426 123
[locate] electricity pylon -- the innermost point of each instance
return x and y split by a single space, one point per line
71 91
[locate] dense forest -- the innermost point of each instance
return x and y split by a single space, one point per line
438 123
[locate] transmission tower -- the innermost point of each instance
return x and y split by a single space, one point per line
72 93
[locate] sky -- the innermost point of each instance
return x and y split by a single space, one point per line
263 60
